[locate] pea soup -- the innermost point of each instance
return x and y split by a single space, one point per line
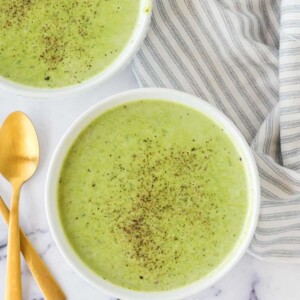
153 195
58 43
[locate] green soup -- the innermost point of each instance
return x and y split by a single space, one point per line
57 43
153 195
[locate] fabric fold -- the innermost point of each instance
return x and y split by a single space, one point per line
244 58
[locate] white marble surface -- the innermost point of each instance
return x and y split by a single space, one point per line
251 279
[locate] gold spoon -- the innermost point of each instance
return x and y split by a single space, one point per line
39 270
19 156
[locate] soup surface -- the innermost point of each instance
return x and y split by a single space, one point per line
57 43
153 195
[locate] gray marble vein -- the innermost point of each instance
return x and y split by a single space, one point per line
38 231
253 295
3 245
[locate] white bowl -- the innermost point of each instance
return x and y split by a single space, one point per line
120 62
72 134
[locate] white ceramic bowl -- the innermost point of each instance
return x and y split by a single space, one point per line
72 134
120 62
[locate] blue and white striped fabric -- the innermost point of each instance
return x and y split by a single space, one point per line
243 56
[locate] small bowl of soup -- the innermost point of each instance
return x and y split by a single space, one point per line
152 194
52 48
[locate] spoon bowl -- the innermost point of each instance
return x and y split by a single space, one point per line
19 151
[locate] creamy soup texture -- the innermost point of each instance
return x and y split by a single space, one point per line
58 43
153 195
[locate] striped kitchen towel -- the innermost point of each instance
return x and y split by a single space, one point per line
243 56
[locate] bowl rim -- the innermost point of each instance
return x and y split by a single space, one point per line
120 62
130 96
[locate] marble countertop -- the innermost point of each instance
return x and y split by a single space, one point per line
251 279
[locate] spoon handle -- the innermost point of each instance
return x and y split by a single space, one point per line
45 280
13 289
